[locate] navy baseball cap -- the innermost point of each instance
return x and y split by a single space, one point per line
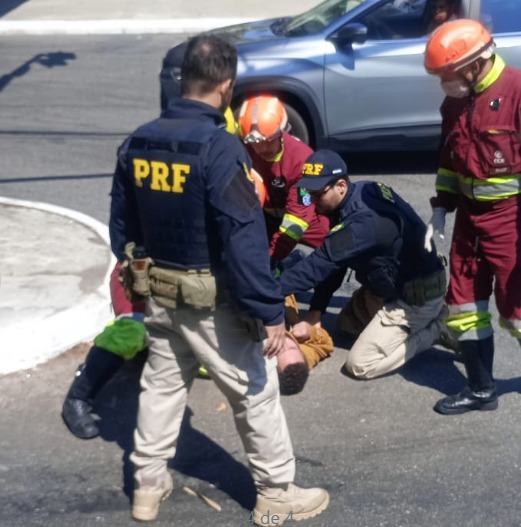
320 168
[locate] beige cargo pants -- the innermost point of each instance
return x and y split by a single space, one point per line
180 340
396 334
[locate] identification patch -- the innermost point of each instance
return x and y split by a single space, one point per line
303 197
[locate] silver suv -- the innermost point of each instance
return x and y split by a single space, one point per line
350 72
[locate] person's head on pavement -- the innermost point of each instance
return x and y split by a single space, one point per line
325 178
208 70
303 349
262 119
292 367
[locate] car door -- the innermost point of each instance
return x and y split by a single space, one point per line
503 19
377 94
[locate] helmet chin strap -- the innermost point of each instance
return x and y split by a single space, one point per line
278 157
475 78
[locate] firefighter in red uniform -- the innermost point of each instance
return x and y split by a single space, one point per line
479 177
278 157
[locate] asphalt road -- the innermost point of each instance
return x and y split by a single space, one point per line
387 459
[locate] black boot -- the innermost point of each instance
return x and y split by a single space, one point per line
100 366
478 357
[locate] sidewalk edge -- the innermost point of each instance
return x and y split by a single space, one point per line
63 330
115 26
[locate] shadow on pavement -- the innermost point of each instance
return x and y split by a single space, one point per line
197 455
436 369
10 5
48 60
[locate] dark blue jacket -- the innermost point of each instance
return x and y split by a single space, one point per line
378 235
182 189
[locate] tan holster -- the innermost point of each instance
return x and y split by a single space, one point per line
134 275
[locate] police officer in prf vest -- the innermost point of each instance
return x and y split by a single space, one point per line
381 238
187 221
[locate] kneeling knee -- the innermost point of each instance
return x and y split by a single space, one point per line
358 370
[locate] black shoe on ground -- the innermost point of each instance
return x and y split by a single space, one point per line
467 401
76 415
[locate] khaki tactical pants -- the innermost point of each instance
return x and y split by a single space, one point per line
181 339
396 334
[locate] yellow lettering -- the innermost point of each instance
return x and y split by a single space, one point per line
141 171
159 176
318 169
179 176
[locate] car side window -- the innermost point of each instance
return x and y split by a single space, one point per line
501 16
396 19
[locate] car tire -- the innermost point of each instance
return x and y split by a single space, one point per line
298 126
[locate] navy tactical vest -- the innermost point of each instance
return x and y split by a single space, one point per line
166 160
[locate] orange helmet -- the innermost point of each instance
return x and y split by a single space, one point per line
262 118
260 187
455 44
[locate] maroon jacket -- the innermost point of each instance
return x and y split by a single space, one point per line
290 216
481 139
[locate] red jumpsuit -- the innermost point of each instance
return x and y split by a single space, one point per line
480 176
290 216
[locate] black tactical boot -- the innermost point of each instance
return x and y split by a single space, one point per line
478 357
100 366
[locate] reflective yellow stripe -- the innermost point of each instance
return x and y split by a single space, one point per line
513 326
469 321
231 124
293 226
516 333
493 188
447 181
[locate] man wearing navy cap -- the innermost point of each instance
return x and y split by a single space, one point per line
378 235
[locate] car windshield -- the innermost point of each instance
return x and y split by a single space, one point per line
320 16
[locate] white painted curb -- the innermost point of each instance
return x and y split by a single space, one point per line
115 27
23 347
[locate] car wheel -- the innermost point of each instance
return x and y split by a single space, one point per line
298 126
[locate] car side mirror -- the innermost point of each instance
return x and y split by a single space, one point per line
349 34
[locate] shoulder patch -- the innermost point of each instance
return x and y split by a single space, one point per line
303 197
386 191
337 227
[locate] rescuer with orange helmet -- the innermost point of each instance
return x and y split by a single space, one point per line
278 157
479 177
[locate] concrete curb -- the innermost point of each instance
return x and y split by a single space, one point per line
115 27
24 347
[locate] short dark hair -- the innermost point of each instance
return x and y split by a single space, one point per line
293 378
209 60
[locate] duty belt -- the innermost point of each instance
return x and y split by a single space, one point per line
174 288
420 290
